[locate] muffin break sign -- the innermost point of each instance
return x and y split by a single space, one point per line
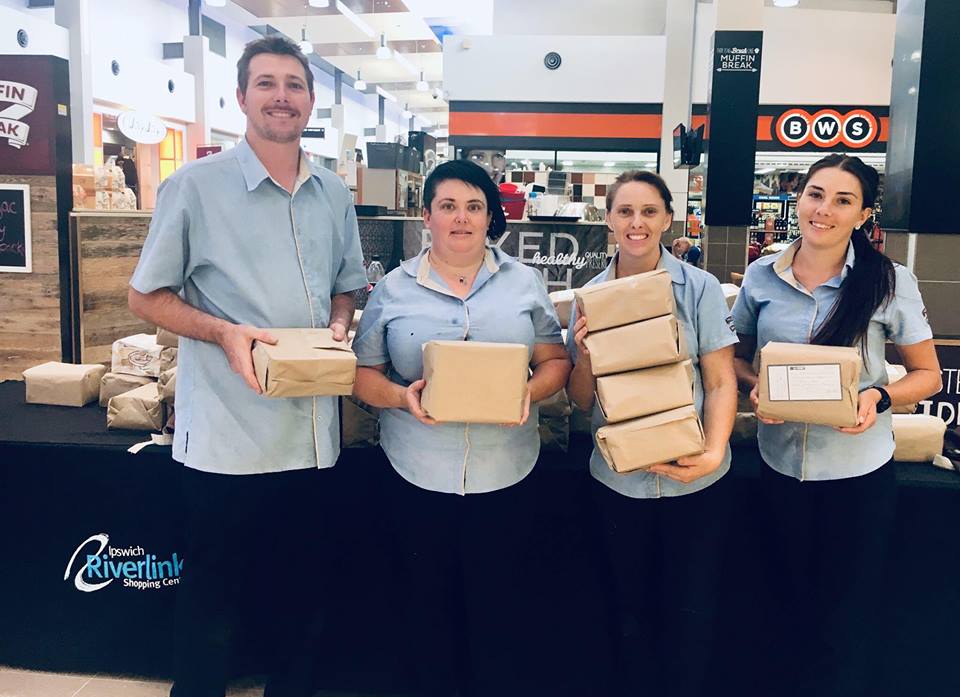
16 101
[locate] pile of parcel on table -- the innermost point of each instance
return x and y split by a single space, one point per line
644 376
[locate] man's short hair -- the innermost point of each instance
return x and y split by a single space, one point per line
277 44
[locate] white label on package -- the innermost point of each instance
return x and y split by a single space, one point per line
804 383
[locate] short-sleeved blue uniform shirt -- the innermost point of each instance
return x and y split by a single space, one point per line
508 303
236 245
773 306
707 327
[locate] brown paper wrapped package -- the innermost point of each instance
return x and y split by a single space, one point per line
810 384
918 437
112 384
168 386
475 381
137 410
626 300
639 393
139 354
894 373
730 293
563 304
168 359
650 440
304 363
167 338
63 384
640 345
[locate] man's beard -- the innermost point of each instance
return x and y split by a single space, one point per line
273 136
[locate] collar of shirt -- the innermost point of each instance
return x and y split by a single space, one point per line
419 268
254 172
668 262
783 265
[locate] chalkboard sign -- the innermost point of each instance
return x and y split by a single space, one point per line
15 228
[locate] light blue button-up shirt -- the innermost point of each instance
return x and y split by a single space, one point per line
238 246
774 306
707 327
412 305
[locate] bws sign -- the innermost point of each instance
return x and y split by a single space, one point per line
822 128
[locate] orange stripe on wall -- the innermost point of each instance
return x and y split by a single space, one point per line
507 124
764 131
884 128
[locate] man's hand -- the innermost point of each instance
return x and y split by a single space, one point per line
339 331
236 340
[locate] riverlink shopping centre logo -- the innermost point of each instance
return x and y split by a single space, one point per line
96 564
22 100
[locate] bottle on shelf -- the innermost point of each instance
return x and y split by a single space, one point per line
375 272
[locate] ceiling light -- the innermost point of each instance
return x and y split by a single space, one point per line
383 52
305 46
567 163
319 3
406 113
357 22
422 85
609 164
359 84
786 3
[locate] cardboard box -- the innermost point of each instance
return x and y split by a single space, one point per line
894 373
168 386
626 300
63 384
634 346
137 410
563 304
167 338
304 363
139 354
639 393
809 384
918 437
475 381
730 293
112 384
650 440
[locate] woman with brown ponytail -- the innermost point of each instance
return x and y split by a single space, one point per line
832 491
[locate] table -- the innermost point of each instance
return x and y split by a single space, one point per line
64 478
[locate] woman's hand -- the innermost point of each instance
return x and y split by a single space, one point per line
690 469
866 413
411 398
526 411
579 334
755 401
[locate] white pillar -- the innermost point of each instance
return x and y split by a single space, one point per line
74 16
677 88
195 52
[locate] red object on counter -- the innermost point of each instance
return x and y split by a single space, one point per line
514 200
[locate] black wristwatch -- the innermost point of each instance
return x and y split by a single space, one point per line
884 402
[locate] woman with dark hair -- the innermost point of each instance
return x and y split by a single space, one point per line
663 528
462 499
832 491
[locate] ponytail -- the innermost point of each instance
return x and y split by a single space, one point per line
871 282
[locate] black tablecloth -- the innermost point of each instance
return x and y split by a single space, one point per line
64 478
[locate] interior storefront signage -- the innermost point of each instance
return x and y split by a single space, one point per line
566 255
15 244
17 100
141 128
827 128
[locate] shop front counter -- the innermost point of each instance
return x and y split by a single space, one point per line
69 489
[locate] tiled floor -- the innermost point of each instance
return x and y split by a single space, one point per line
24 683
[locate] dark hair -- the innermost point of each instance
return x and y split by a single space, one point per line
474 175
644 177
275 43
872 281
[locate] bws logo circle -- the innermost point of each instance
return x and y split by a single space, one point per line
827 128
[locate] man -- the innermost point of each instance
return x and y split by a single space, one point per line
250 238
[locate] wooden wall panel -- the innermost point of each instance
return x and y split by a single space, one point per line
108 246
30 310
